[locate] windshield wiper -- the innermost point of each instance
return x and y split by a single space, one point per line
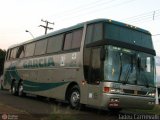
127 75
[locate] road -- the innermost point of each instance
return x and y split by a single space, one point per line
45 107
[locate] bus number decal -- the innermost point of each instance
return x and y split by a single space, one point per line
74 55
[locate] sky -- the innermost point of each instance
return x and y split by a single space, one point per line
17 16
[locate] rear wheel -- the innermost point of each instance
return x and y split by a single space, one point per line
74 97
1 86
13 89
20 90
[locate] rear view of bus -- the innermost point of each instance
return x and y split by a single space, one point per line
119 66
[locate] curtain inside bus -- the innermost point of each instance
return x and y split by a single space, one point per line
128 66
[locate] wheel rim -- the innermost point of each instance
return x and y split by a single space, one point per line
75 98
20 90
13 89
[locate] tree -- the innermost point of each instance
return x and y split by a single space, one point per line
2 59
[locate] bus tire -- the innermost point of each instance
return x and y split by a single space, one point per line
74 97
20 89
13 88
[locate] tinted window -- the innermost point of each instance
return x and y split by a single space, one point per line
13 53
20 52
67 42
128 35
97 34
8 54
146 40
124 36
30 49
89 34
73 40
77 37
55 44
41 47
94 33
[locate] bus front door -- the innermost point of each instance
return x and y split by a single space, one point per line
94 78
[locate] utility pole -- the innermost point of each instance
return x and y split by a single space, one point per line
154 14
46 26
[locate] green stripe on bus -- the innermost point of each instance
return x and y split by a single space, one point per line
36 86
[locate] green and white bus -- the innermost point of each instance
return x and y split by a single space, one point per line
101 63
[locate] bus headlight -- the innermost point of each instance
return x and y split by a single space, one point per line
151 103
152 94
114 100
116 90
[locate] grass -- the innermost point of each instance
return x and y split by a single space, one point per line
59 113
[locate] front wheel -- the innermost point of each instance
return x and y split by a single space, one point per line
20 90
74 97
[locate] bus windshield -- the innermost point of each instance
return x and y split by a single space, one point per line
128 66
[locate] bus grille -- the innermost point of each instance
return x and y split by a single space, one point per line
134 92
128 91
141 92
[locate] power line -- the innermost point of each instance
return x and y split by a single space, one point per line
91 11
152 15
81 8
143 14
46 26
156 35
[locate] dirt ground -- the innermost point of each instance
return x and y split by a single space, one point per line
31 108
10 113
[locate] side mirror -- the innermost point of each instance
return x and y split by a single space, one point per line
102 54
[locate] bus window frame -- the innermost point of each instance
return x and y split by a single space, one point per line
72 32
8 55
61 47
19 57
26 49
12 49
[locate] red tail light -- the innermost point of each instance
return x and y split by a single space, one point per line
106 89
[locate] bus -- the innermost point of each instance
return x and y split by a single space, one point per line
101 63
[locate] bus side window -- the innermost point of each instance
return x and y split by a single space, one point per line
73 40
13 53
67 41
94 33
55 44
30 49
77 37
20 52
41 47
8 54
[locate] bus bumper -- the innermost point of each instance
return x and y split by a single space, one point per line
115 101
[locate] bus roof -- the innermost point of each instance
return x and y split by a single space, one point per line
80 25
